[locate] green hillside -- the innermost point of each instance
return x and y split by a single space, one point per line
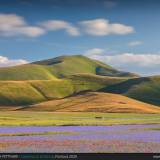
68 75
59 67
54 78
146 89
69 65
18 93
26 72
30 92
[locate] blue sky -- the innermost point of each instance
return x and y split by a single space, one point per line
122 33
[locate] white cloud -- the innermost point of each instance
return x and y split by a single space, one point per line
14 25
102 27
94 51
96 27
135 43
54 25
127 59
31 31
5 62
146 64
144 60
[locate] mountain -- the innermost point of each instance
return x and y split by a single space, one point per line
146 89
69 65
67 76
94 102
60 67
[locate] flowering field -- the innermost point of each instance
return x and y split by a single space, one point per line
117 138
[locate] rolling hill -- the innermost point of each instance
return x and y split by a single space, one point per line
94 102
69 65
54 78
25 72
146 89
59 67
66 76
18 93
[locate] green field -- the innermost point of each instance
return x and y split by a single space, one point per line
34 134
24 118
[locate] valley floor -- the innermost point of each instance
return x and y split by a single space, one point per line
26 131
30 118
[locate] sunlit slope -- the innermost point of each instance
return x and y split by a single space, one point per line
69 65
83 82
145 89
33 91
95 102
30 92
60 67
26 72
18 93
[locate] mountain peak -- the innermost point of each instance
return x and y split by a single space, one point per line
60 67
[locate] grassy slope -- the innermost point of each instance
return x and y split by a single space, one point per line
53 89
45 85
24 118
34 91
95 102
80 74
84 82
29 92
25 72
145 89
18 93
72 65
58 67
68 65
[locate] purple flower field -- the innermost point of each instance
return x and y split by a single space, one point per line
117 138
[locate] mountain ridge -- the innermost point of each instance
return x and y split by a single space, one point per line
65 76
59 67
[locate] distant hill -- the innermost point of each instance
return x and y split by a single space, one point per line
54 78
146 89
69 65
95 102
60 67
67 76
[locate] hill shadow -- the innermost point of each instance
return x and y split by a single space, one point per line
123 87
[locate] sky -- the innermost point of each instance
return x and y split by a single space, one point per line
122 33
